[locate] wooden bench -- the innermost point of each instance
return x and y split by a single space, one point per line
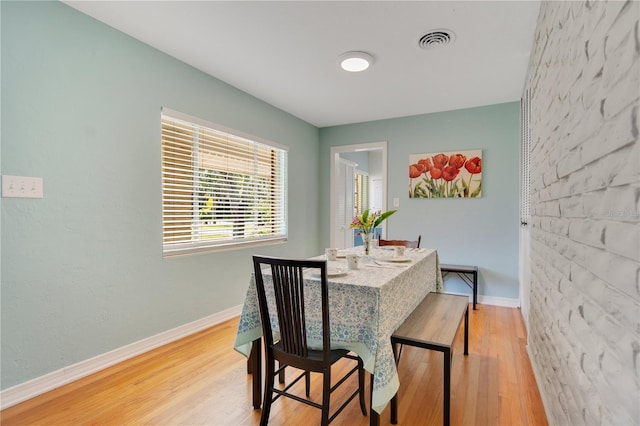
469 275
434 325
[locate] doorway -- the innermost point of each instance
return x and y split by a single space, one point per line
358 182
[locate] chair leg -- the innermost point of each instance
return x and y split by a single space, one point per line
363 405
255 360
326 395
281 376
268 392
307 382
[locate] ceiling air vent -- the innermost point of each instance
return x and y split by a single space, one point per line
436 38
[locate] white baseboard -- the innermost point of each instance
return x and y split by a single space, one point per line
491 300
499 301
32 388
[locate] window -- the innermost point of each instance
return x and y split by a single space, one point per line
220 189
360 193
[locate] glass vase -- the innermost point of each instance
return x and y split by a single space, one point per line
366 241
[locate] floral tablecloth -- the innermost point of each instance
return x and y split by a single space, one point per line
366 306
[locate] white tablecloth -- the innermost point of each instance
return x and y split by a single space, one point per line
366 306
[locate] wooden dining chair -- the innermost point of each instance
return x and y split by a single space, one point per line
406 243
290 349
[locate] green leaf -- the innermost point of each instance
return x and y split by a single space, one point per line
476 193
455 189
419 191
429 185
382 217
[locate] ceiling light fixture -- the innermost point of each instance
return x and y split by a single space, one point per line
355 61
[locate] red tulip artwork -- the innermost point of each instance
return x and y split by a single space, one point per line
455 174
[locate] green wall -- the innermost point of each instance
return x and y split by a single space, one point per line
82 268
483 231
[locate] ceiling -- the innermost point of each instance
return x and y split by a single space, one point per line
286 53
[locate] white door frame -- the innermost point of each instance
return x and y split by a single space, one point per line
524 274
335 155
524 261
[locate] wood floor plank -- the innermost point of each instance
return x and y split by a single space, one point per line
201 380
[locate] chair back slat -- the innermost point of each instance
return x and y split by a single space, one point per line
406 243
288 290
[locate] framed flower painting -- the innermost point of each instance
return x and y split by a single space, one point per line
454 174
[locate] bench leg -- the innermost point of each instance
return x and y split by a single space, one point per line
472 283
447 388
475 289
466 331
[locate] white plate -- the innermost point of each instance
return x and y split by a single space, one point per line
332 273
399 259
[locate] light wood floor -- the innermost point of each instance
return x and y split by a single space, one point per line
201 380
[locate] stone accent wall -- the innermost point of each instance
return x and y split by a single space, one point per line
584 336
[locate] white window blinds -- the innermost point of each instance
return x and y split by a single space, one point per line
361 193
219 190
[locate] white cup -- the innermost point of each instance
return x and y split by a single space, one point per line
331 253
399 250
352 261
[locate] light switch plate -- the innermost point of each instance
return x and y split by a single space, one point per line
21 187
396 202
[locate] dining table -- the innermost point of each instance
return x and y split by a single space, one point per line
366 306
